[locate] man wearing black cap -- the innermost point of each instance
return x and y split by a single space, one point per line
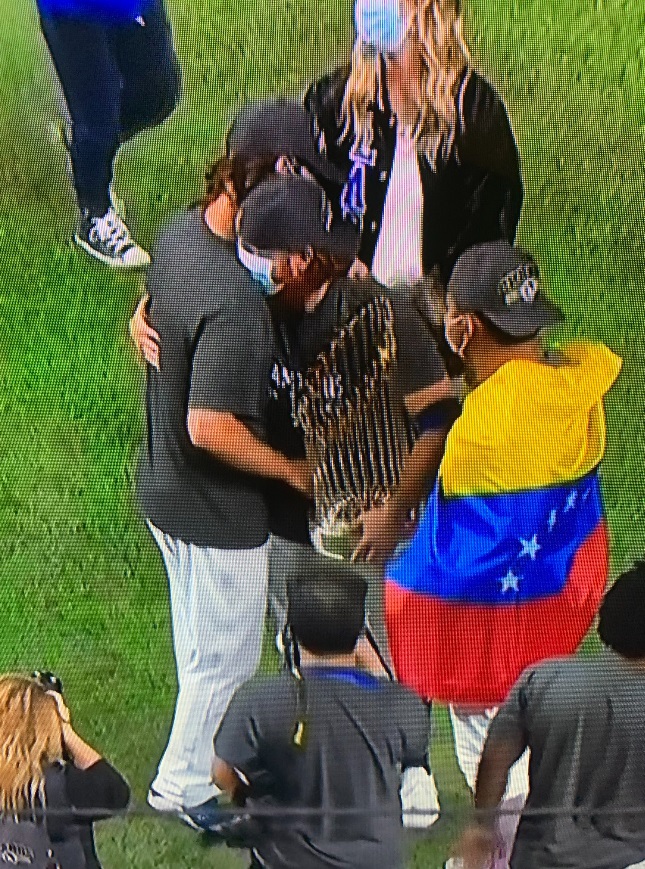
333 741
532 431
291 243
583 720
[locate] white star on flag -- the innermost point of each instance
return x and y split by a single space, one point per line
553 515
571 501
510 581
586 494
530 547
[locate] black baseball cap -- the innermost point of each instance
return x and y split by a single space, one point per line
281 127
288 213
502 282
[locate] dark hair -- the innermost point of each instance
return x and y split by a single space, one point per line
326 609
622 614
240 173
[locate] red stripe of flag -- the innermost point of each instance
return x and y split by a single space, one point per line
472 654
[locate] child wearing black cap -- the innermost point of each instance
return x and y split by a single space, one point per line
334 741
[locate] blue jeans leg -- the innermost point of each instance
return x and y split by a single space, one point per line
149 70
91 83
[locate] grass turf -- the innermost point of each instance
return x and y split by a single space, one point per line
82 589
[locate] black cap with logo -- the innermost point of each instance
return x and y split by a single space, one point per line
502 283
287 213
281 127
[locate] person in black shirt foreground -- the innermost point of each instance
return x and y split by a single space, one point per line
334 741
45 765
583 719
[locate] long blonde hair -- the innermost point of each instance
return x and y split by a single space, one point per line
30 741
444 57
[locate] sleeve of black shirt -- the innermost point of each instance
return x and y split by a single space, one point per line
488 199
97 791
415 729
511 722
238 741
323 101
229 371
419 361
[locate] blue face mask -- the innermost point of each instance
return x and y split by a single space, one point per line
382 24
260 268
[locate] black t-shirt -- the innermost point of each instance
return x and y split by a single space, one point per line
584 722
300 338
360 734
89 795
216 354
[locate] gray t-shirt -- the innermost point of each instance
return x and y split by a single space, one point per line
584 722
216 354
360 733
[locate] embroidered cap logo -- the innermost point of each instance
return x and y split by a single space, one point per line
520 285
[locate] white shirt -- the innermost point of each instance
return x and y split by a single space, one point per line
397 258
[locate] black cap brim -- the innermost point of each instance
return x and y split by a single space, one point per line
522 323
290 214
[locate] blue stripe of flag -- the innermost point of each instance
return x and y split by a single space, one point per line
499 549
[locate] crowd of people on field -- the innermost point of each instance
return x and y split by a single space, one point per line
388 197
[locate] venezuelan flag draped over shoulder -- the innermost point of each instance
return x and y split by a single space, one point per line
509 561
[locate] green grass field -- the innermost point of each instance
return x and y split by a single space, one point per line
82 588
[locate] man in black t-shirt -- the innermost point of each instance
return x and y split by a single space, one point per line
583 720
335 741
288 240
200 482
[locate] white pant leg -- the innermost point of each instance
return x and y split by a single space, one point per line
218 603
171 552
640 865
470 730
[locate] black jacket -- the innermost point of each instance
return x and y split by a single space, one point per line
78 798
475 195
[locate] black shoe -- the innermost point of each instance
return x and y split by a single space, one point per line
108 239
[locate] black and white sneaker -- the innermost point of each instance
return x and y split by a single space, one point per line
108 239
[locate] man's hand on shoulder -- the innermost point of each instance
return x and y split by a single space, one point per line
143 336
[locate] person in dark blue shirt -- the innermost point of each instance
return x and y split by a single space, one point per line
119 74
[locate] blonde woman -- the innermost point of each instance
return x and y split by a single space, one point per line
45 765
424 140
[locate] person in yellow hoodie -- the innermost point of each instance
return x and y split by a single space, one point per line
509 560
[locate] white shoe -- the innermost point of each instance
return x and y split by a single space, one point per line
108 239
419 799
